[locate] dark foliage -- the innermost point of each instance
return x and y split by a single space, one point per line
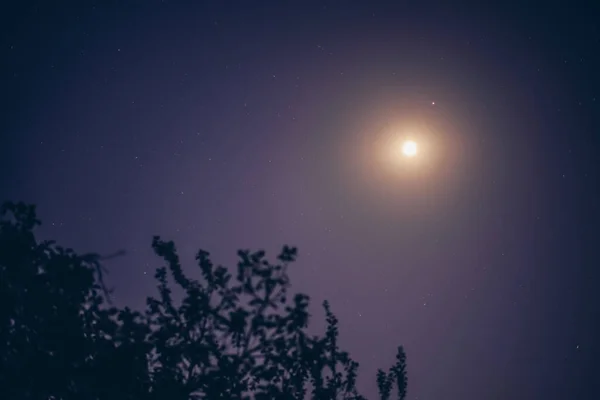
230 337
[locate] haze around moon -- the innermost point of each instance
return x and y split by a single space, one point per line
409 148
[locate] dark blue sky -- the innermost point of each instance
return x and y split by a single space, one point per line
224 126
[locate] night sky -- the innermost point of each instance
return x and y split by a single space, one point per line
222 125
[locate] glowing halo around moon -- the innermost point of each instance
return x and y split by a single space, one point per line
410 148
409 153
412 160
403 149
403 153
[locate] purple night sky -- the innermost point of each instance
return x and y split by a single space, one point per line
222 126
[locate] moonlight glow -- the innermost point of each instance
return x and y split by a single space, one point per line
409 148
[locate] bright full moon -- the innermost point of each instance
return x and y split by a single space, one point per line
409 148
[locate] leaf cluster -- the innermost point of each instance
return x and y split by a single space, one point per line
230 335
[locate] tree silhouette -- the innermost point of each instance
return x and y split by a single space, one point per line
227 338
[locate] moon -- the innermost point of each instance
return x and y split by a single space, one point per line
409 148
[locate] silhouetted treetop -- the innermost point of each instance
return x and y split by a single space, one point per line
231 336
